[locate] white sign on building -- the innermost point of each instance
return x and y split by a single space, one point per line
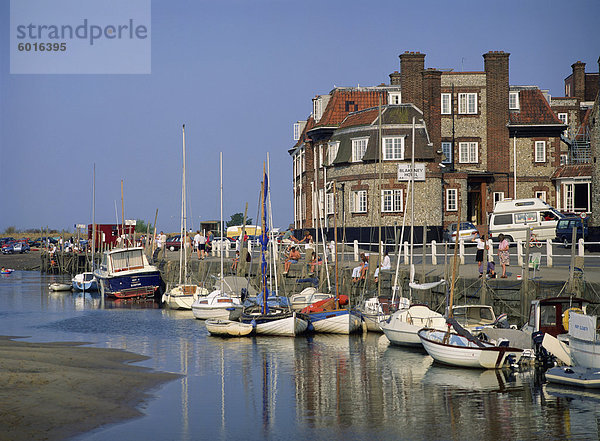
404 172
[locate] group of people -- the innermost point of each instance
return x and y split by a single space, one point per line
503 256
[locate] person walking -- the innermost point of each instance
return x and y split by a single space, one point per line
197 244
503 254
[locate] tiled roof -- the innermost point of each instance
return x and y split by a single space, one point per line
391 114
533 109
343 102
573 171
360 118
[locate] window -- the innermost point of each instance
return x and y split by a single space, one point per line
564 159
467 152
332 149
569 203
513 100
503 219
359 147
394 98
358 201
447 152
563 117
524 218
451 199
391 201
498 196
540 151
446 104
393 148
467 103
317 109
296 131
329 203
541 195
320 148
321 207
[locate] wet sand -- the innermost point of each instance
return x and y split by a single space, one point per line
52 391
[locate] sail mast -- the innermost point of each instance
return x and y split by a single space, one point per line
221 226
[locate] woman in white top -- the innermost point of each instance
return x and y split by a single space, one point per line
480 250
385 264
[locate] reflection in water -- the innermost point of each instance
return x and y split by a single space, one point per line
314 387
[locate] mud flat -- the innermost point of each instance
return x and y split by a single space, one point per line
53 391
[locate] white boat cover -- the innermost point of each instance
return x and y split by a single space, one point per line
424 286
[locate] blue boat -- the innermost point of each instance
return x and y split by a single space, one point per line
125 274
85 282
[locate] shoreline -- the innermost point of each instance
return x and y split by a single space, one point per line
53 391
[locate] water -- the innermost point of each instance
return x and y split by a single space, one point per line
323 387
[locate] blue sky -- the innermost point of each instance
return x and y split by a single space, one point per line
239 74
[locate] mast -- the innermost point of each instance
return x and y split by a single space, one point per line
412 203
94 220
337 300
273 244
125 242
264 240
221 226
380 201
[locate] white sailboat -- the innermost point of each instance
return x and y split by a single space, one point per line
183 295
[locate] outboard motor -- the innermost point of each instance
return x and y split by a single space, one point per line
502 321
542 356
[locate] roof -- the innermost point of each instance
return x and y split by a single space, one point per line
573 171
344 101
391 114
310 123
533 110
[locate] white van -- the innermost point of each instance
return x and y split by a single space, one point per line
514 217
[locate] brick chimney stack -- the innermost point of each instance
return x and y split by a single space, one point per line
578 80
432 105
498 148
412 64
395 78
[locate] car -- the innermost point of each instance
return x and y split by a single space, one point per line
174 243
8 248
228 243
21 247
468 232
564 229
36 243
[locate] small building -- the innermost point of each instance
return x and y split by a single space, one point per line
109 233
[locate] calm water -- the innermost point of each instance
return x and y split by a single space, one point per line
321 387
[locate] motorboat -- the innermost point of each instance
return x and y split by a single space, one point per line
125 273
375 311
474 317
183 296
307 297
403 325
217 305
85 282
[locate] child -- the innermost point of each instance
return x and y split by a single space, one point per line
491 270
235 262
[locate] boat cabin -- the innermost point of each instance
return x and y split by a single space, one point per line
474 316
120 260
547 315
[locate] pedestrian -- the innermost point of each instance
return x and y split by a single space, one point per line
503 254
481 247
197 244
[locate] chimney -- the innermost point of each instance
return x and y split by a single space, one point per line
412 65
498 148
432 105
395 78
578 80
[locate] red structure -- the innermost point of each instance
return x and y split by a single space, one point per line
108 233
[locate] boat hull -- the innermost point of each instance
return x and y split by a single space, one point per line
284 323
457 351
403 334
60 287
230 312
228 328
127 286
374 321
574 376
402 327
340 321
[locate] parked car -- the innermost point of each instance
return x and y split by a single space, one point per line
228 243
564 229
36 243
8 248
21 247
468 232
174 243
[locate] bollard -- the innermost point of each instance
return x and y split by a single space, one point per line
461 251
490 245
227 247
549 253
356 250
580 247
433 252
406 257
519 253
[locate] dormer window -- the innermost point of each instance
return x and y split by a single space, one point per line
513 101
296 131
317 109
359 147
394 98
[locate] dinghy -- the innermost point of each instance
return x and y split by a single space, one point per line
60 287
228 328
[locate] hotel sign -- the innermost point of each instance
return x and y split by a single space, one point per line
404 172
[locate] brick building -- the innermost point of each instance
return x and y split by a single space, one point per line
474 134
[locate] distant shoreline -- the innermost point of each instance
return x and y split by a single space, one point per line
53 391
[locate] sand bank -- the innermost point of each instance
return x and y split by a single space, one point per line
51 391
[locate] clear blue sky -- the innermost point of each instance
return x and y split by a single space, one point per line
239 74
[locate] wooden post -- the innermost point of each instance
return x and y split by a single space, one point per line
525 279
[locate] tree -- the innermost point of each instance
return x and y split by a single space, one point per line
13 230
142 227
237 219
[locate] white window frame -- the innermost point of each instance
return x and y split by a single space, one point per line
446 104
358 201
317 109
329 205
541 194
564 117
569 192
396 142
564 159
447 152
394 98
467 103
540 151
513 101
451 199
296 131
359 148
468 152
332 151
392 201
498 196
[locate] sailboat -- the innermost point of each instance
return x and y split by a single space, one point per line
219 304
328 315
87 281
270 319
183 295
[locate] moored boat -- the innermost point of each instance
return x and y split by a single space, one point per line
125 273
328 316
183 296
403 325
60 287
228 328
85 282
217 305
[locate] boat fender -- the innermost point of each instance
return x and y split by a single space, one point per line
565 320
